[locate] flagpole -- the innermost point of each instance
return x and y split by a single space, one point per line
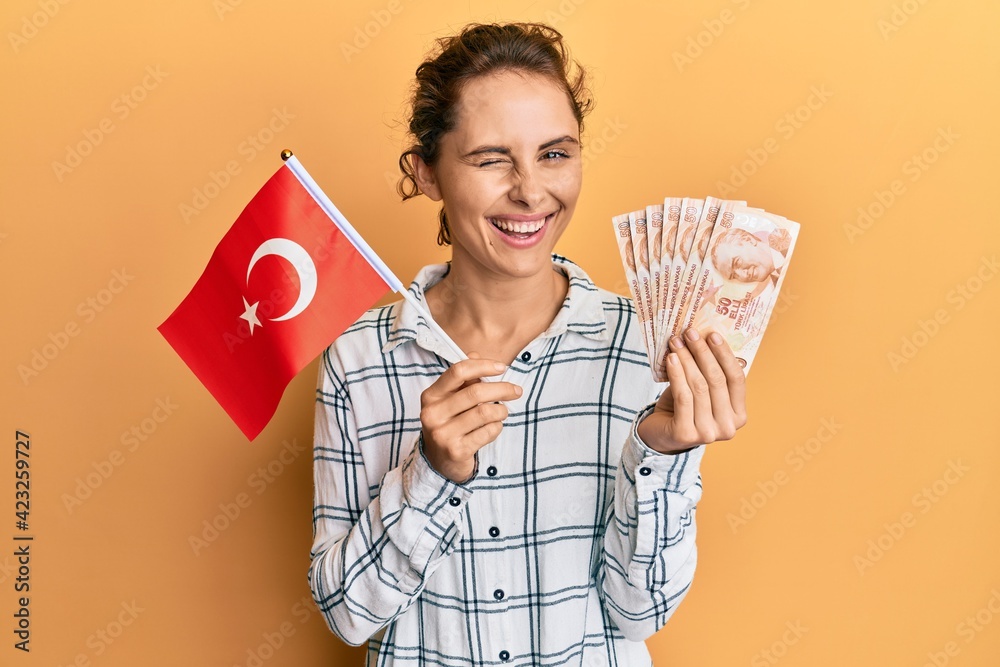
362 246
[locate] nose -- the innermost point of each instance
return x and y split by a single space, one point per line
527 187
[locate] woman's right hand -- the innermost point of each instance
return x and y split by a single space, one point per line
460 414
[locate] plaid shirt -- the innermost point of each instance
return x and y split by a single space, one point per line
571 544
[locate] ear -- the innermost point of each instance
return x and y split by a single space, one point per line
426 180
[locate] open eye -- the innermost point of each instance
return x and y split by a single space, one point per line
555 154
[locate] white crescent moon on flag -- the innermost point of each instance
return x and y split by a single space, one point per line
304 267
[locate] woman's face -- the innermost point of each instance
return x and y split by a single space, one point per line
509 173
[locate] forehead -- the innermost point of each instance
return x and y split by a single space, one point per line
728 247
508 107
739 239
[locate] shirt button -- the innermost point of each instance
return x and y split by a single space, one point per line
526 357
498 594
505 656
455 502
494 531
492 471
644 471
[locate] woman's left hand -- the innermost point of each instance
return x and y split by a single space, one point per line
706 399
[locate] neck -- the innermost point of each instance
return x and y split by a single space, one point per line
473 304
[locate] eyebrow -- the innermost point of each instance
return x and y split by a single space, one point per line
504 150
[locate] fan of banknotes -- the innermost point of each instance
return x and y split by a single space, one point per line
704 263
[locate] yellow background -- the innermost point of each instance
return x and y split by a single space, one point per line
895 76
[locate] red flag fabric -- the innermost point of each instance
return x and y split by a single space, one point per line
282 284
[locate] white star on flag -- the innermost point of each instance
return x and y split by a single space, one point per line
251 315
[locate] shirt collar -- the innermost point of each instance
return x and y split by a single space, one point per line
582 311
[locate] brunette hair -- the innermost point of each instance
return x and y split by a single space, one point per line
477 50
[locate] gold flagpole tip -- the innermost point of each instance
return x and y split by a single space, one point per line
285 154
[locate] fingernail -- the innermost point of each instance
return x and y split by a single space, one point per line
672 359
715 338
692 334
499 367
518 390
677 341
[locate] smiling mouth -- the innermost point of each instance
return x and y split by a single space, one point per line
520 230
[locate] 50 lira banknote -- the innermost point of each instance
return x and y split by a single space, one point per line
711 264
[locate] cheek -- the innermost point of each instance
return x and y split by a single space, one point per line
567 183
471 195
764 257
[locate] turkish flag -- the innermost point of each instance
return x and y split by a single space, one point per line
282 284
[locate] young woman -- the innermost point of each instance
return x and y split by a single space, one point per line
545 516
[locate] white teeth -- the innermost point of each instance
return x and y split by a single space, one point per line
519 227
